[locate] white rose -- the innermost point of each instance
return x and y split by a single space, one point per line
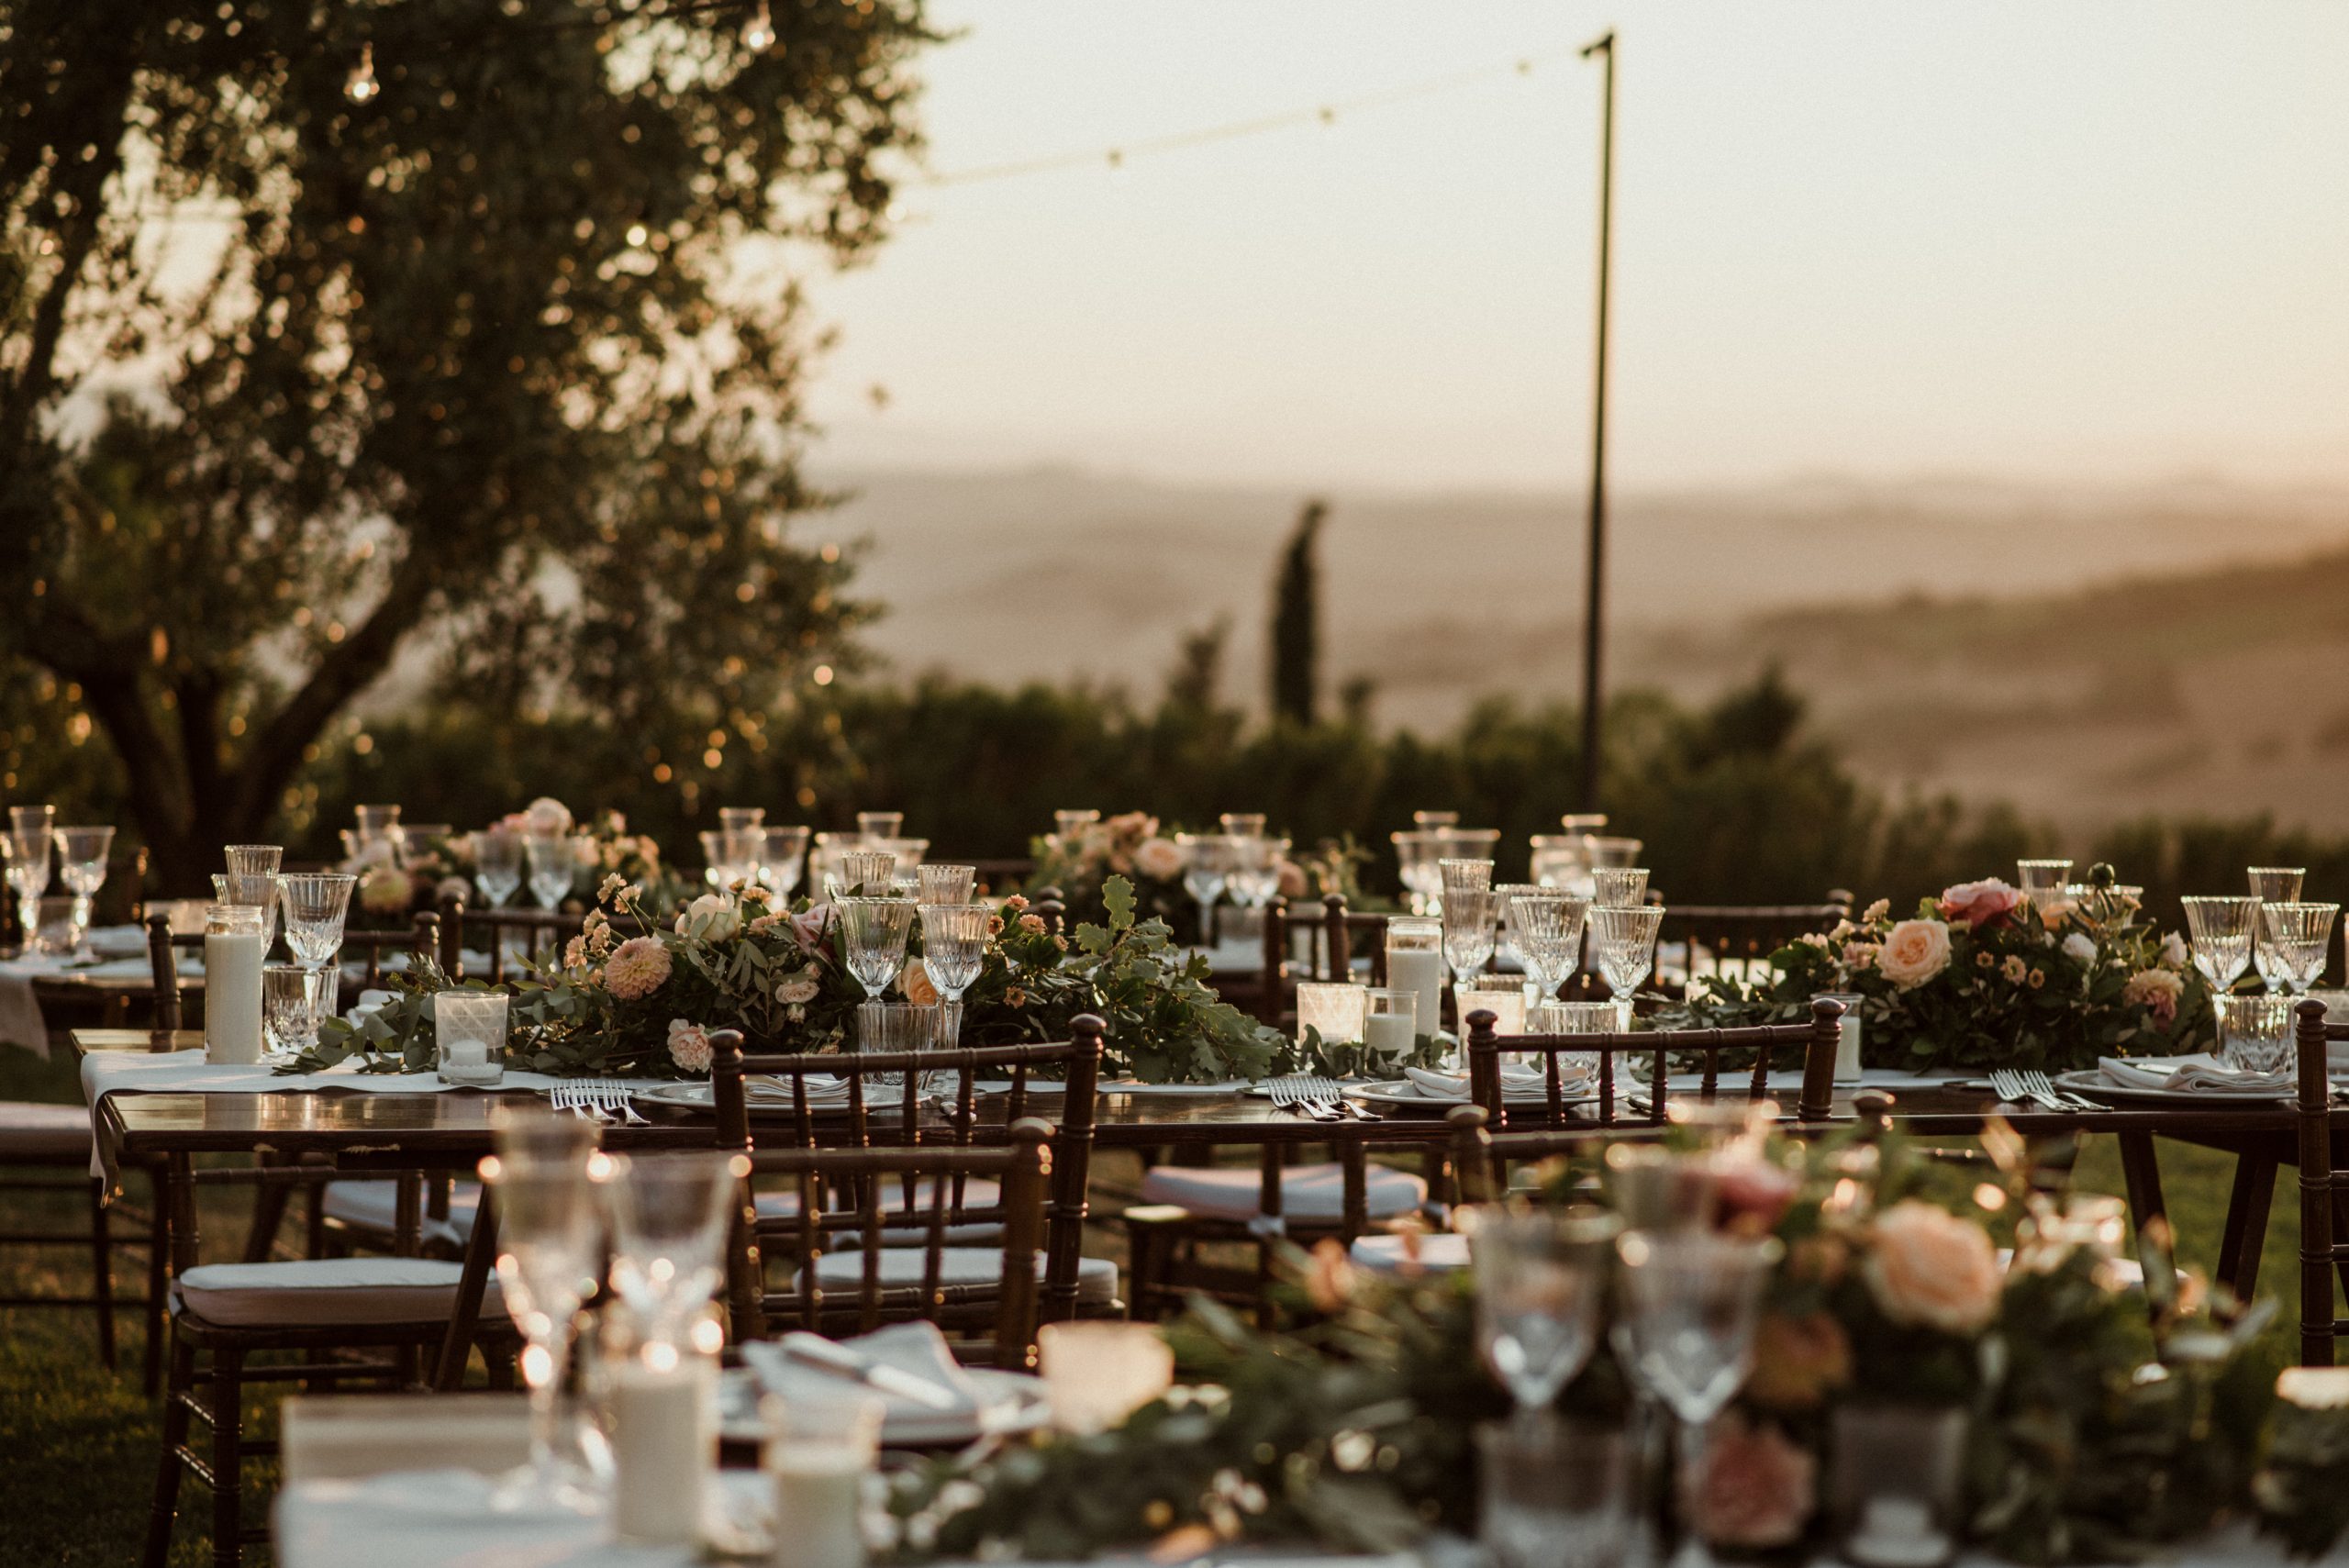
548 815
2080 948
712 917
1161 860
2173 950
1914 953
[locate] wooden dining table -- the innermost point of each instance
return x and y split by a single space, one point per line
452 1130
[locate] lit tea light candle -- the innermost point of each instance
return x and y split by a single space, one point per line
1095 1374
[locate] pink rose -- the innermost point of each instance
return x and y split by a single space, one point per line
1928 1267
688 1046
1913 952
637 968
808 926
1758 1489
1979 903
1161 860
2156 990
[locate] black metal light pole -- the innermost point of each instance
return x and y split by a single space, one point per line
1595 597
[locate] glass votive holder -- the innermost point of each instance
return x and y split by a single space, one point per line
1847 1043
1097 1374
469 1031
2254 1032
1334 1009
1390 1025
1554 1495
294 1000
57 925
818 1453
1503 995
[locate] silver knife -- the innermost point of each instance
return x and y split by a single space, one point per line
841 1362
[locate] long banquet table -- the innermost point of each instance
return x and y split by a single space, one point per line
383 1128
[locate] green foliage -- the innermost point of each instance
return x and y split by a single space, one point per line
469 364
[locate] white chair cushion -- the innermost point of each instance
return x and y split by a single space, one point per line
1437 1252
1307 1192
373 1205
37 1131
978 1191
842 1274
325 1292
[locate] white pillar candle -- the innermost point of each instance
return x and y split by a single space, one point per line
1847 1043
819 1503
1389 1036
665 1442
1413 968
232 965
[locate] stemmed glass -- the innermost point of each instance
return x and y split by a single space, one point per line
740 818
872 934
553 868
1691 1301
1540 1279
2044 881
1468 921
2299 935
378 824
316 904
954 948
1206 863
946 884
1621 886
82 867
1622 948
783 855
32 842
2278 884
1547 923
878 825
550 1248
1241 823
863 868
251 879
497 864
1462 874
2223 930
669 1217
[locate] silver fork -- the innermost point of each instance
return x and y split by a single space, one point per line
615 1095
2009 1085
576 1098
1288 1095
2040 1083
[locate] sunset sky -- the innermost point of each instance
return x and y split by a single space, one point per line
2071 241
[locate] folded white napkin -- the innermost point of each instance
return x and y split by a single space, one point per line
822 1089
2190 1073
916 1347
1516 1081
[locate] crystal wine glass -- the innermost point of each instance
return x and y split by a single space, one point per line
1242 824
82 866
1623 887
2300 936
1540 1279
872 934
1460 873
2278 884
740 818
553 868
1622 948
32 846
497 864
316 904
2044 881
669 1215
878 825
1469 916
946 884
549 1252
1206 863
1547 923
2223 930
783 855
856 869
954 949
376 824
251 879
2254 1032
1691 1301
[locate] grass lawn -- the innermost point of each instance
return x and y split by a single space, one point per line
80 1441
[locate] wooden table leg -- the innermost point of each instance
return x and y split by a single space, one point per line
2249 1201
2141 1172
481 1257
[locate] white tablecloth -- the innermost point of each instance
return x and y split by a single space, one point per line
123 955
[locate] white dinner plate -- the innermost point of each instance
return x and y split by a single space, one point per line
1403 1091
765 1096
2096 1085
1015 1402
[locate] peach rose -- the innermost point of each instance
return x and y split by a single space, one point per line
1292 877
2157 990
913 980
1330 1275
799 990
1927 1266
1980 904
1758 1489
1161 860
1797 1362
689 1046
547 816
637 967
1913 952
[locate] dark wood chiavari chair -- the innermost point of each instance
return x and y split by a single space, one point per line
1734 938
1073 1284
494 932
1614 1112
2322 1256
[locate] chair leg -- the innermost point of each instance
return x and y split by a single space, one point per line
102 1269
159 1277
167 1470
228 1458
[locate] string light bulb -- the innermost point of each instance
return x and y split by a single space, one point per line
758 33
363 85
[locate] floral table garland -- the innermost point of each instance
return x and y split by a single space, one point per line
643 1005
2085 1436
1982 977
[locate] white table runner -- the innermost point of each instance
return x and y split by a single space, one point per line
122 956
